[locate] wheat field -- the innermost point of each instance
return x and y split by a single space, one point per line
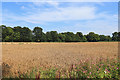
22 57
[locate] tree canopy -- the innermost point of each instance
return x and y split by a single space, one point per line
24 34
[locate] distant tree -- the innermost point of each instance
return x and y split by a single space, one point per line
77 38
69 36
43 38
22 34
102 37
118 36
19 34
52 36
61 37
7 39
37 32
85 36
115 36
48 37
17 29
7 34
108 38
80 37
84 39
0 33
105 38
16 36
92 37
4 30
26 34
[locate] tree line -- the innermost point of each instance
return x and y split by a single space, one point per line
24 34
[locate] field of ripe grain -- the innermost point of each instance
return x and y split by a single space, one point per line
22 57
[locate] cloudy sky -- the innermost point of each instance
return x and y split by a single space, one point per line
98 17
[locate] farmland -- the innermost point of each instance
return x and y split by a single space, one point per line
22 57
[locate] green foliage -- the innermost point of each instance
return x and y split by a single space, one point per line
26 34
54 36
108 38
80 37
115 36
105 38
43 38
16 36
104 68
7 38
7 33
37 33
61 37
118 36
19 34
0 33
69 37
22 34
48 37
92 37
102 38
38 73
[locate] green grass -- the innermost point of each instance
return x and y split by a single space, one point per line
103 68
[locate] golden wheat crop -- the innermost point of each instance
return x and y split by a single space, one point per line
24 56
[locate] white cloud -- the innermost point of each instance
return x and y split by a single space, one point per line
102 22
105 26
52 3
22 7
62 14
59 14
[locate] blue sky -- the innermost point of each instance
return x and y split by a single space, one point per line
98 17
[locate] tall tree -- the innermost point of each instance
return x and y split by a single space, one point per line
54 36
37 32
102 37
7 34
108 38
118 36
61 37
115 36
81 37
3 32
92 37
69 36
48 37
0 33
26 34
18 34
43 39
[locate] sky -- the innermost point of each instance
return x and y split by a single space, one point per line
85 17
